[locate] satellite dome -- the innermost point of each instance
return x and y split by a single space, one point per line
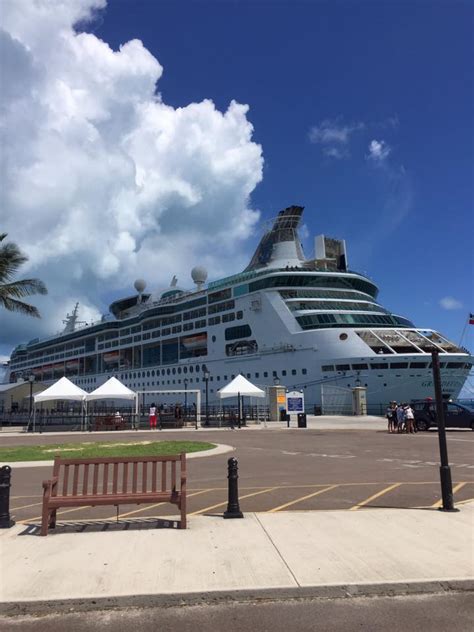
199 275
139 285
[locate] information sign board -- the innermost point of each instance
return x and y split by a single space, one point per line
295 402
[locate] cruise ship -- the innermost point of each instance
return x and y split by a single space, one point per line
309 324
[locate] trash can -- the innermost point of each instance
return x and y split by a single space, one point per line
301 420
282 414
318 410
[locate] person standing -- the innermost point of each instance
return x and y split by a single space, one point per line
400 414
392 417
410 419
152 415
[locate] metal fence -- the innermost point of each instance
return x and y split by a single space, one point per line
105 419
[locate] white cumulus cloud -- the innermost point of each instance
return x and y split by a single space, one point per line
378 150
448 302
334 137
102 181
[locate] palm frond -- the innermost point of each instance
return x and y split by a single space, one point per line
13 305
11 259
25 287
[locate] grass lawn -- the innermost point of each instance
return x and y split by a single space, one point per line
102 448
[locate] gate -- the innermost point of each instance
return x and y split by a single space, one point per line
336 400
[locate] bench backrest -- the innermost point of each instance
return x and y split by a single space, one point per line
119 475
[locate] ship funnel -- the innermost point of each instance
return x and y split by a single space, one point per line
280 246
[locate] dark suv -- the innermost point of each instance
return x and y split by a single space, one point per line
455 415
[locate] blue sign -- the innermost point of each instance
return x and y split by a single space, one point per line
295 402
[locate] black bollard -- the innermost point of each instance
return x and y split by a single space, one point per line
233 509
5 483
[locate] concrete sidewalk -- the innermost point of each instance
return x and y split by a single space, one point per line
264 554
315 422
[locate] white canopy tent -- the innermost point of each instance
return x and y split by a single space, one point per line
112 389
240 387
63 389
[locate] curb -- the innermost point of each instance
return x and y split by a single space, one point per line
221 448
342 591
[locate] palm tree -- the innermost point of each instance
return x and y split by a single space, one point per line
11 258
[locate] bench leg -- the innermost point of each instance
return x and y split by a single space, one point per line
182 505
44 520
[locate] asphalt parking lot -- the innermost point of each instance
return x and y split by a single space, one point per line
281 470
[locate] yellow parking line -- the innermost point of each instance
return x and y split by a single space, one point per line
60 513
456 488
465 501
25 506
377 495
130 513
298 500
195 513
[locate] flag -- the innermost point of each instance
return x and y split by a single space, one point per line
471 319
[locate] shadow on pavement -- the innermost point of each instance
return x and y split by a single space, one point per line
91 526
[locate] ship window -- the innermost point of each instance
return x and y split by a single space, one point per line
257 375
200 323
191 369
399 365
179 370
239 315
185 369
176 329
166 331
455 365
293 371
265 374
240 290
378 366
241 331
283 372
327 367
145 337
221 307
215 320
213 338
342 367
304 371
219 296
418 365
241 347
359 367
134 330
226 318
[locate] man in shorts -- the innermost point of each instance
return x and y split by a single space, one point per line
152 415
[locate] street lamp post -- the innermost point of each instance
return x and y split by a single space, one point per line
185 397
31 380
206 379
444 470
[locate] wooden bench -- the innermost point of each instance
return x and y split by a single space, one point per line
114 481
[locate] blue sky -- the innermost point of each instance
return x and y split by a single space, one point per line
364 114
403 69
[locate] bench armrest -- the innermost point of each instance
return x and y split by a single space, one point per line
51 483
